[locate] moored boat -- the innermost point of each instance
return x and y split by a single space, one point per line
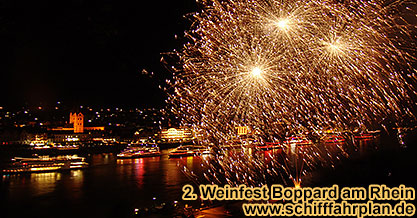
269 146
188 150
364 136
45 164
139 152
297 141
329 139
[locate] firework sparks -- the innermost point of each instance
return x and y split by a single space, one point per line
281 67
293 65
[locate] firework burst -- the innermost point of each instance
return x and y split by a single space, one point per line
281 67
293 65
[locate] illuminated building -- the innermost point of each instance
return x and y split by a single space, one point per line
77 120
37 140
77 134
242 130
176 135
69 138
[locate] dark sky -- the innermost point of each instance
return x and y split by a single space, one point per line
87 52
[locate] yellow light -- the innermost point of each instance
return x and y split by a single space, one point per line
44 168
242 130
256 72
297 185
333 47
283 24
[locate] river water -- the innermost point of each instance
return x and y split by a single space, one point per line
109 187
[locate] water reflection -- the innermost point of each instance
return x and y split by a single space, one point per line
112 187
139 171
190 162
44 183
109 186
39 184
76 183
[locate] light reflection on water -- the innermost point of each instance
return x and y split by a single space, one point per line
109 187
44 183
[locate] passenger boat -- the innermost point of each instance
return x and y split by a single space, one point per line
45 164
297 141
269 146
188 150
364 136
333 139
231 147
139 152
66 147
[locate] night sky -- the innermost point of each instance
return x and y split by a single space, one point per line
84 52
87 52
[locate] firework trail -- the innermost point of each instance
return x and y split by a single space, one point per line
282 67
294 65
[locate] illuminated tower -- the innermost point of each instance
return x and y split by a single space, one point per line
242 130
73 117
78 121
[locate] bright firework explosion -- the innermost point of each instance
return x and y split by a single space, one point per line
278 66
282 67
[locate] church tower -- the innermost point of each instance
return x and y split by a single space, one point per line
78 121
